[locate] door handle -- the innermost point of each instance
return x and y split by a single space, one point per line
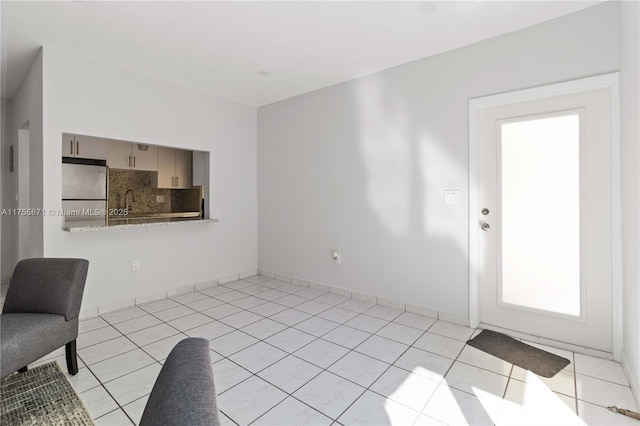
134 161
129 161
484 226
71 148
77 147
176 181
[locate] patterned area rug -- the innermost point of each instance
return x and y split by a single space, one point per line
41 396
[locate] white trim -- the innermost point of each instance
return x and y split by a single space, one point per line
378 300
248 274
635 386
474 284
616 222
606 81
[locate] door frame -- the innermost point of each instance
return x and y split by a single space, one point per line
605 81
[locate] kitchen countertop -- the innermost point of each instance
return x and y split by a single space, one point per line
133 222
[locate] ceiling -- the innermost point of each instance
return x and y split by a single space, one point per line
222 48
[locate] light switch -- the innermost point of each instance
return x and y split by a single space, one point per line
451 196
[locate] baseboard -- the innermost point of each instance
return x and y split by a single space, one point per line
403 306
128 303
420 310
248 274
633 380
179 290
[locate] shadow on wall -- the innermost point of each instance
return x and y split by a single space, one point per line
405 166
408 170
361 168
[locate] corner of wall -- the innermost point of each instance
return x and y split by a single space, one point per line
630 162
631 378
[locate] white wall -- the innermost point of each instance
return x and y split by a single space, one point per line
25 107
630 153
361 166
85 97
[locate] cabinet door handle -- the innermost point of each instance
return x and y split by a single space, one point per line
71 147
134 161
129 161
177 181
77 148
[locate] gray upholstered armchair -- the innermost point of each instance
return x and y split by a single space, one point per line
184 393
40 312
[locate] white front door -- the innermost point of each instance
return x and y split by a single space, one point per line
544 228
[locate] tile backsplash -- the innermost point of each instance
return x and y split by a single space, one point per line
143 184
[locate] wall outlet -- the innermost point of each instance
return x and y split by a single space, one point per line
160 198
337 257
135 265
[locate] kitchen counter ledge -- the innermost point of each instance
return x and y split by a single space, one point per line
92 226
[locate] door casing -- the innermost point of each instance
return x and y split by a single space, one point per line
606 81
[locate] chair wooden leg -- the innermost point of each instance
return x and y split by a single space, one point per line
72 359
23 369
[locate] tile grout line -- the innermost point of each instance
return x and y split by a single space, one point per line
103 384
287 327
349 350
119 407
368 388
293 325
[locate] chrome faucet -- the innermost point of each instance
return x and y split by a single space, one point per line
129 205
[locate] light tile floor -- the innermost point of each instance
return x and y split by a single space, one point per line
284 354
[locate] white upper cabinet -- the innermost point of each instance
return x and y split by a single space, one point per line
174 168
166 167
125 155
84 147
145 157
119 155
184 168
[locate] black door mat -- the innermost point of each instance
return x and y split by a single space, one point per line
507 348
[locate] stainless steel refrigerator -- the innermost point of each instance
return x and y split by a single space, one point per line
84 190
